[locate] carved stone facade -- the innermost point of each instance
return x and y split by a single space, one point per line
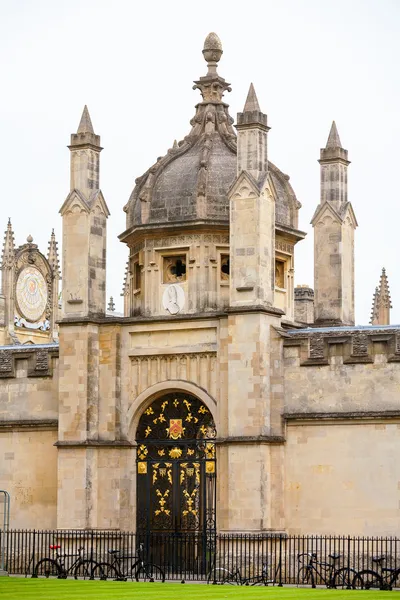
306 407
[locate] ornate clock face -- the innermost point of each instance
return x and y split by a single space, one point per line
31 293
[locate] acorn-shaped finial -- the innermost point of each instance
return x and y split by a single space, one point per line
212 51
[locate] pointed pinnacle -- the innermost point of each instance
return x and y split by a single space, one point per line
52 254
8 246
85 125
251 101
333 139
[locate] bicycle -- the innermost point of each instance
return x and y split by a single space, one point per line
221 576
326 572
139 570
55 567
367 579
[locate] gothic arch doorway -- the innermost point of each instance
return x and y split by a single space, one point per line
176 466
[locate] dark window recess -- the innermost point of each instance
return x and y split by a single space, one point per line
178 269
225 267
138 276
174 269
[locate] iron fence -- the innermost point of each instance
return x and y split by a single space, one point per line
202 557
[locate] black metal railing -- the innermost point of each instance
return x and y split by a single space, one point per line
199 557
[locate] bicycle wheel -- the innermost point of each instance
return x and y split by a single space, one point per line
367 580
47 567
219 576
343 578
305 577
261 580
148 572
86 570
104 571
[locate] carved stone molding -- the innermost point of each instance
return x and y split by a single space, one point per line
39 360
357 346
197 367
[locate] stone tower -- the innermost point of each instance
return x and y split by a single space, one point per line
381 304
84 214
251 334
334 223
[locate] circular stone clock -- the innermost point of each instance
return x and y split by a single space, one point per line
31 293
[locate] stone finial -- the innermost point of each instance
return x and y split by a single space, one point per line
8 254
29 239
333 138
52 254
212 86
212 52
111 305
381 303
85 125
251 101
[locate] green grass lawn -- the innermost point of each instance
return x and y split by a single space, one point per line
18 588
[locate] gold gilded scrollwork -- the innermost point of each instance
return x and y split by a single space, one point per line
142 452
162 502
190 498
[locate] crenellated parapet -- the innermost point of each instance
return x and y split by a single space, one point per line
39 357
344 346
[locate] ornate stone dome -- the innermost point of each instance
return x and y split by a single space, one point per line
191 182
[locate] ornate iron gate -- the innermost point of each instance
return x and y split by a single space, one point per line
176 475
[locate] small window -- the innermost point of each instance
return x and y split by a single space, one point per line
280 274
137 273
174 269
225 267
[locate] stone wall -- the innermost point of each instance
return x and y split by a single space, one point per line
342 411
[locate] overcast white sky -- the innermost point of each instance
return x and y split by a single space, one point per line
133 64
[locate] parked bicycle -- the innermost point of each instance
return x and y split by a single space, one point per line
221 576
56 567
121 568
314 571
387 579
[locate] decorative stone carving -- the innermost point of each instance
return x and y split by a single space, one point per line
173 299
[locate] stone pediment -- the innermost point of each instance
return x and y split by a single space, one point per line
323 210
76 202
245 186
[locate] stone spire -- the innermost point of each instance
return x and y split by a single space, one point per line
333 139
381 305
252 127
334 162
85 157
85 125
52 255
251 104
7 258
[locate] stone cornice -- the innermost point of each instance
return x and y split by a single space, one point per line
31 424
269 310
251 439
140 319
363 415
95 444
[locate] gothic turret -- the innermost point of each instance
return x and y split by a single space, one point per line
84 214
252 213
252 138
334 223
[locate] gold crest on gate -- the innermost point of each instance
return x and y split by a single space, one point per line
175 428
